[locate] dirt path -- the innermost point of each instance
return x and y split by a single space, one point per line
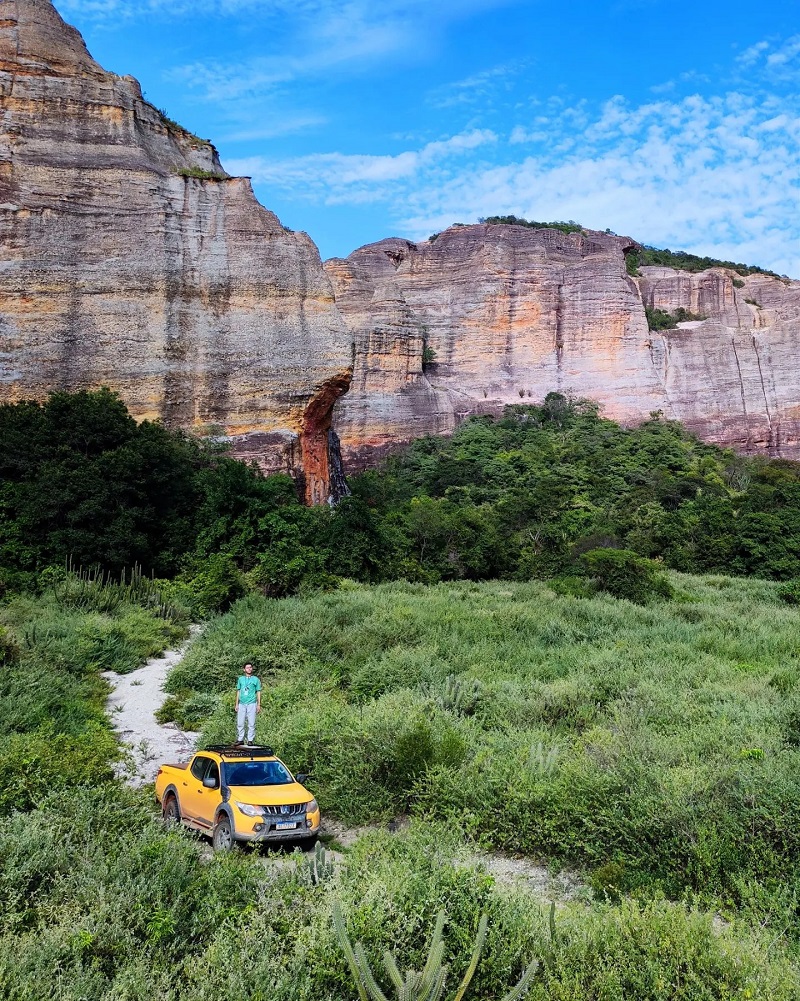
131 706
506 869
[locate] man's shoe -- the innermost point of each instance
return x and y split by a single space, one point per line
239 743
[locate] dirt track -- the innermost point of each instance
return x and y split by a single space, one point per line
131 706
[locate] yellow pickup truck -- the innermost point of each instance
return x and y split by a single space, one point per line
239 794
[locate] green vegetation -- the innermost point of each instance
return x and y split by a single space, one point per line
512 220
54 733
201 174
427 984
102 901
521 497
177 127
655 746
588 708
683 261
660 319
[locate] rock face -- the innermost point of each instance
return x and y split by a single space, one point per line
129 258
490 315
118 267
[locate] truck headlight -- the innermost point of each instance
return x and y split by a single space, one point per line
250 811
312 807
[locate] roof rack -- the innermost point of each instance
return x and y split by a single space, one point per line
234 751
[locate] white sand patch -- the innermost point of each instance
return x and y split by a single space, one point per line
134 699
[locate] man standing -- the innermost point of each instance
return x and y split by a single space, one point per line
248 703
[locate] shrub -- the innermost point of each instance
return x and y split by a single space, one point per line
201 174
215 586
790 592
660 319
625 574
34 765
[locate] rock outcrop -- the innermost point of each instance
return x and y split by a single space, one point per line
130 259
490 315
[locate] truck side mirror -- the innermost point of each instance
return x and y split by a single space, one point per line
302 778
209 782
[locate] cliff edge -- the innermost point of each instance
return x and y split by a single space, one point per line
129 258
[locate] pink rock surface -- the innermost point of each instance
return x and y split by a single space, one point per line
512 313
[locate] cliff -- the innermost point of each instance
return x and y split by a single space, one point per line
490 315
120 268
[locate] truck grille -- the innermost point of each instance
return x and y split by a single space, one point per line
292 810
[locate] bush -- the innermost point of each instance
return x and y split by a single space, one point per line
660 319
216 586
625 574
34 765
790 592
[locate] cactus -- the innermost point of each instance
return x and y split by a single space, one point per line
318 867
427 984
94 590
542 759
456 694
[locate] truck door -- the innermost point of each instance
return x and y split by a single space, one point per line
198 802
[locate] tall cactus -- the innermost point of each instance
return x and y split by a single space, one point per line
427 984
318 868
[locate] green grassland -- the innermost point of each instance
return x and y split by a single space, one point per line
448 644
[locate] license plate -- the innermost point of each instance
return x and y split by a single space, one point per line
285 826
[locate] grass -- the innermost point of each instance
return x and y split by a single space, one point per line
54 733
656 747
101 901
498 714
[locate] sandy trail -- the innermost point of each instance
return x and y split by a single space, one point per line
131 706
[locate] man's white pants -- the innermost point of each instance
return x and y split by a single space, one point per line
246 714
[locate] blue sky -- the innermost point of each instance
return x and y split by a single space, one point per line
676 123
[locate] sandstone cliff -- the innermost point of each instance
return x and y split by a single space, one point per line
120 268
489 315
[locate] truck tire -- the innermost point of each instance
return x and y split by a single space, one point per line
172 811
222 838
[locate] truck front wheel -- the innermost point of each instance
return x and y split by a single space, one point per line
222 838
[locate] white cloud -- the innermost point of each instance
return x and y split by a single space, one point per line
357 177
479 88
787 53
714 175
773 59
753 54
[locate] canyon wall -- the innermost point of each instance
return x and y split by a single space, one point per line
488 315
129 258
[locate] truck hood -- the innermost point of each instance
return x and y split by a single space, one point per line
282 795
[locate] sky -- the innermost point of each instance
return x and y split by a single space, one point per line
675 123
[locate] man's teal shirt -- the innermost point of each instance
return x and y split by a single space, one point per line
248 689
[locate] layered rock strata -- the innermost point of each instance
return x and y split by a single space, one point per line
129 258
490 315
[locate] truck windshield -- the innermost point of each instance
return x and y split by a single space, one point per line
255 773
